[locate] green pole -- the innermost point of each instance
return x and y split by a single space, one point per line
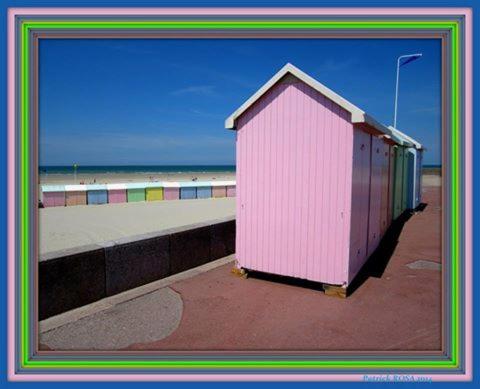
75 172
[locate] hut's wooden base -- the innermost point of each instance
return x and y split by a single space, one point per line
335 290
330 290
240 272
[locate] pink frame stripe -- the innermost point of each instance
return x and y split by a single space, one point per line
238 11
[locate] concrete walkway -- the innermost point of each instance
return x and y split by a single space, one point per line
147 318
144 314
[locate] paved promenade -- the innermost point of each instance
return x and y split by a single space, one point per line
395 305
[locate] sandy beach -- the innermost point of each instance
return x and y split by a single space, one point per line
110 178
430 177
431 180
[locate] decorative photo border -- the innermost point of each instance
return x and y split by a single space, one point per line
453 26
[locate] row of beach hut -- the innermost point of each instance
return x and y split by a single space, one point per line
64 195
345 178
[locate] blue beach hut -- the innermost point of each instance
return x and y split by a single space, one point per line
97 194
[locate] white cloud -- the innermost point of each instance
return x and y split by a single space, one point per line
202 90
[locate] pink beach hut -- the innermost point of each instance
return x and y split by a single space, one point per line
53 195
221 188
171 190
231 190
304 172
117 193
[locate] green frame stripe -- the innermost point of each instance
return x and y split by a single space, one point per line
26 28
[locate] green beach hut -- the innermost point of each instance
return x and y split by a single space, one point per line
135 192
400 184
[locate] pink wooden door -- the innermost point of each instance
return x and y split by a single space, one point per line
51 199
60 199
231 191
117 196
48 200
171 193
294 185
219 191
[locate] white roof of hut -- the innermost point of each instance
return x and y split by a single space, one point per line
358 116
404 137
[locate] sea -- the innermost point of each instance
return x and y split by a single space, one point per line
142 169
432 169
154 169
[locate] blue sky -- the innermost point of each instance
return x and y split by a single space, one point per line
131 102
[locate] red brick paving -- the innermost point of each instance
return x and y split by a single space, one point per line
401 310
